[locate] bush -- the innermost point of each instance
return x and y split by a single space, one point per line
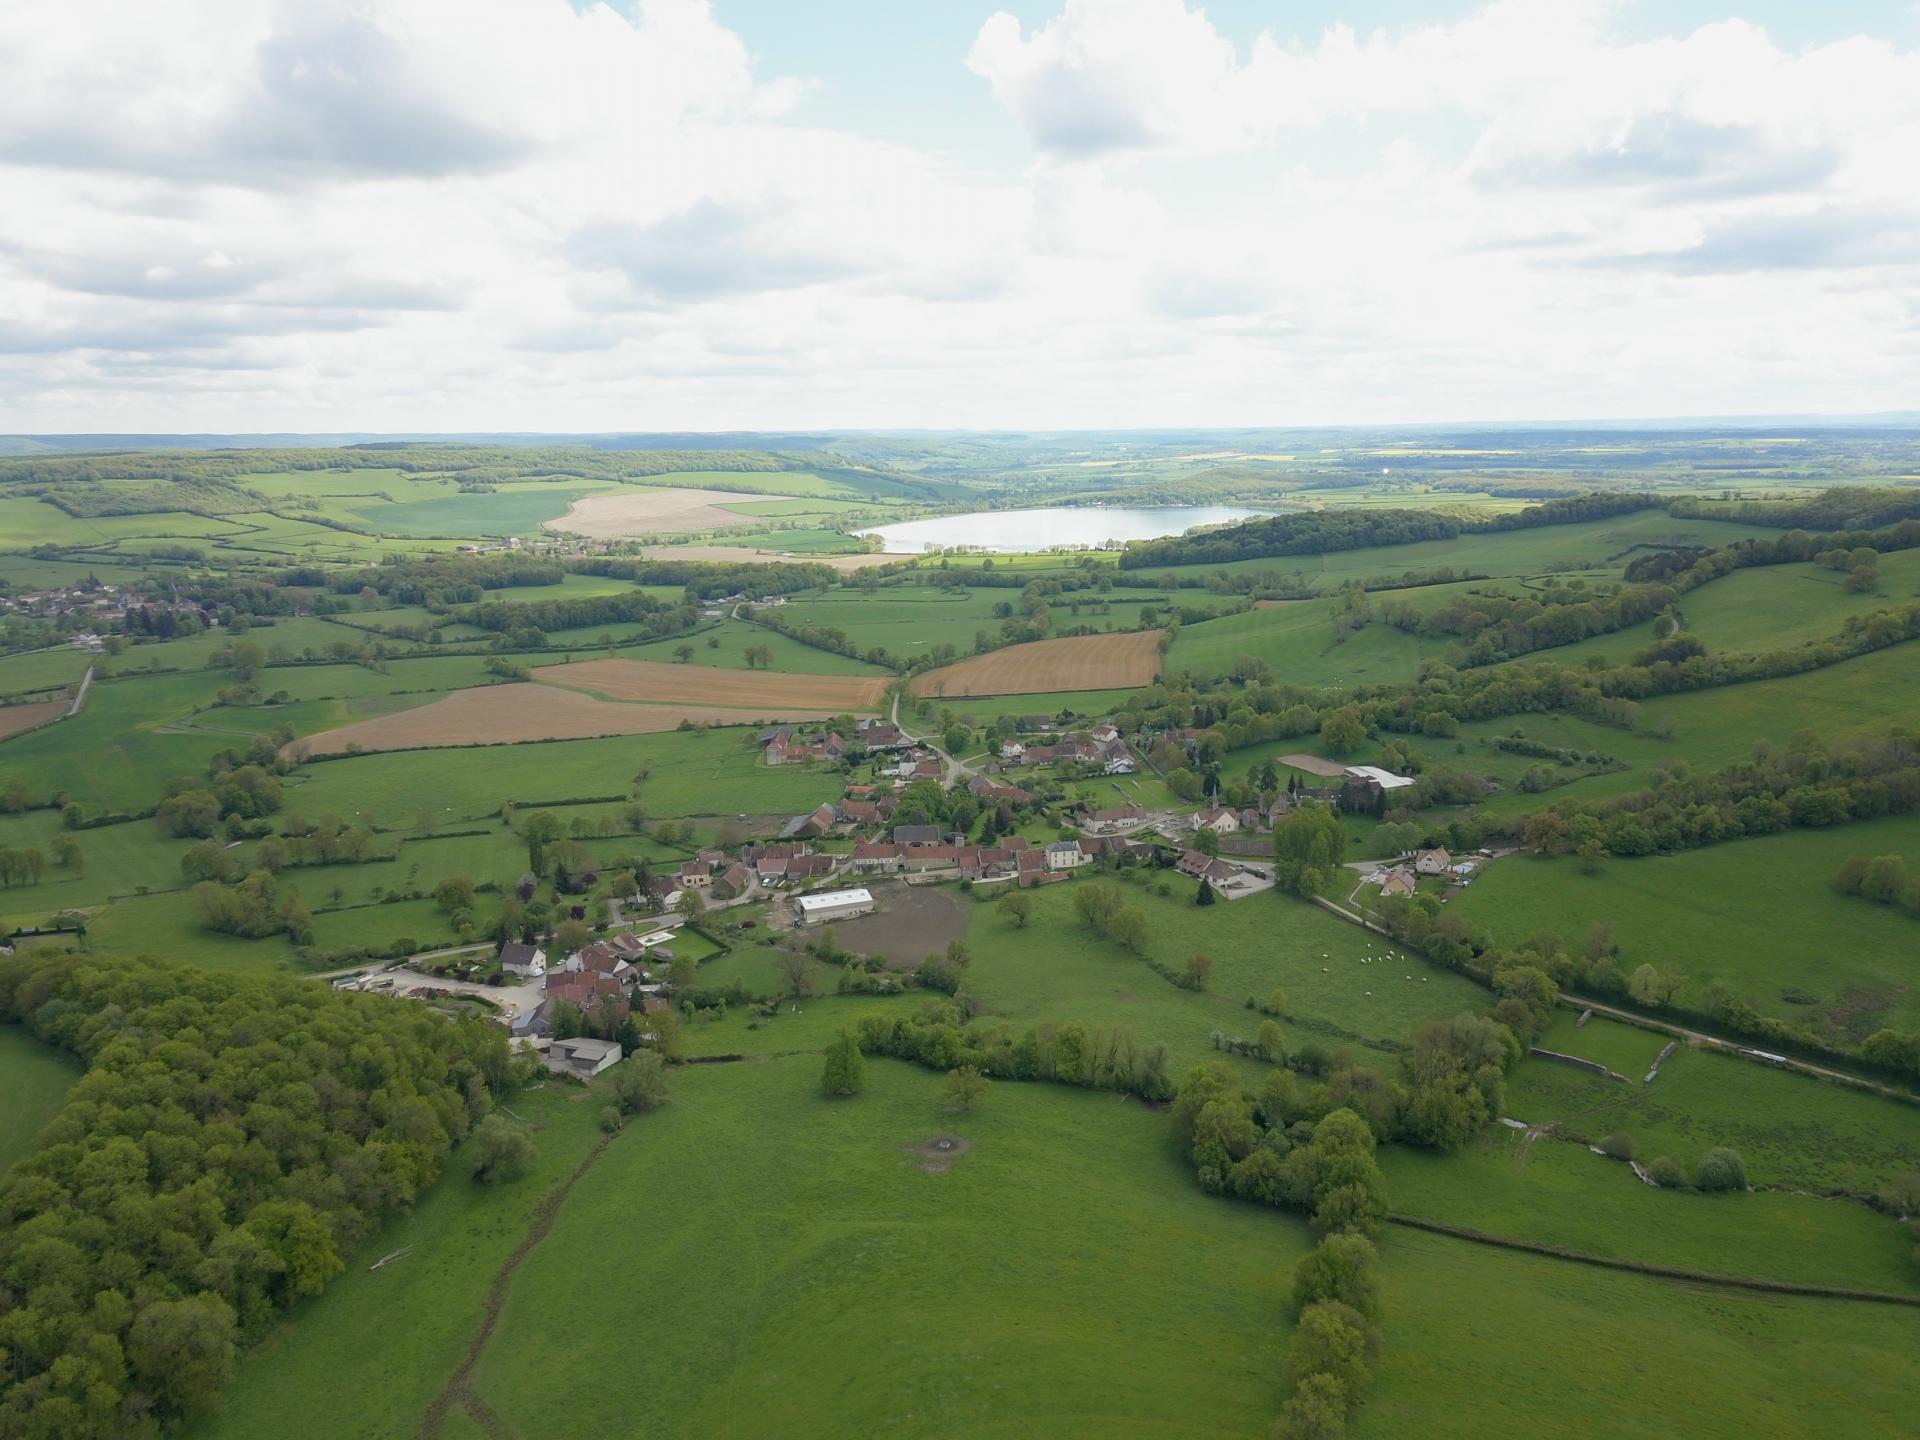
1620 1145
845 1072
1667 1173
1720 1170
611 1120
501 1151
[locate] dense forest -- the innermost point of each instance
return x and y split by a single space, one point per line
230 1141
1323 532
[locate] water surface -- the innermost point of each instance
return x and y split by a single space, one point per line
1059 527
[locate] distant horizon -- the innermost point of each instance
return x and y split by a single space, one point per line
345 438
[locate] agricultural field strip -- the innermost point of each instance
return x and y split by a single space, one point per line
657 683
513 714
1076 662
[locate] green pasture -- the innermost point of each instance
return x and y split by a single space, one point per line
1299 644
1776 607
1792 1130
484 513
904 619
25 523
716 773
1117 1295
736 637
1757 916
1483 1341
1057 969
168 925
1551 1192
34 1078
41 670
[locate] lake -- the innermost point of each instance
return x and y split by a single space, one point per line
1060 527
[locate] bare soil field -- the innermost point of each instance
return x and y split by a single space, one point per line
1314 765
657 682
913 922
651 511
512 714
743 555
1078 662
18 719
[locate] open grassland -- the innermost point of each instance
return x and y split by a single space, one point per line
1757 916
169 925
1550 1192
657 683
513 714
516 511
1077 662
1058 969
40 670
1297 641
687 773
904 620
1118 1298
34 1080
1483 1342
1792 1130
123 745
1777 606
736 637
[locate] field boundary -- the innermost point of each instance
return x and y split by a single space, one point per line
1660 1272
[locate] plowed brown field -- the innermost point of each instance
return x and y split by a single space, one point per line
657 682
18 719
1077 662
510 714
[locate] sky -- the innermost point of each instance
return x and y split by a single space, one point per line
537 215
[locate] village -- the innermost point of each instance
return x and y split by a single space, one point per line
846 859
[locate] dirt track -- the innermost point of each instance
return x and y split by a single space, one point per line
511 714
1078 662
657 682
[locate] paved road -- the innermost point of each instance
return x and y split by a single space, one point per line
86 683
954 772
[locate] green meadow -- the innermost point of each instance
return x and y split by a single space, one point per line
1757 916
793 1244
34 1078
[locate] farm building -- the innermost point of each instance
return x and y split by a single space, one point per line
832 905
582 1058
1366 787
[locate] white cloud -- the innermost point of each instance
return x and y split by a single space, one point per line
519 214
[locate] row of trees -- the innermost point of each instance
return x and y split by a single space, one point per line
231 1139
1807 783
1069 1053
